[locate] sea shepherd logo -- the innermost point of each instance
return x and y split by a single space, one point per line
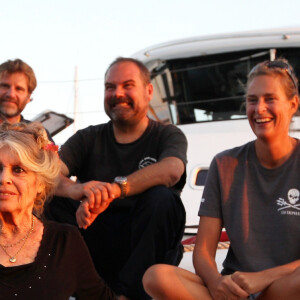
291 207
147 161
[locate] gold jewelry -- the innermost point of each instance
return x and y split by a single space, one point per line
122 182
13 259
18 242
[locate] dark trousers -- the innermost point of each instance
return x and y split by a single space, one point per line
130 236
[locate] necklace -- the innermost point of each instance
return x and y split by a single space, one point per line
13 259
18 242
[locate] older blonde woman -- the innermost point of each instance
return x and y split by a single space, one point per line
38 259
252 191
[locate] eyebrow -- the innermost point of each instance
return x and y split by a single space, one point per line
6 84
264 95
21 87
123 82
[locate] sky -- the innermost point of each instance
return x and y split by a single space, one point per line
59 36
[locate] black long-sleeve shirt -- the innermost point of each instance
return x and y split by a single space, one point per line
62 268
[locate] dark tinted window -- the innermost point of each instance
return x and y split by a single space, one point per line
201 177
211 88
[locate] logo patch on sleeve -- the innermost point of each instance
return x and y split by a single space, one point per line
147 161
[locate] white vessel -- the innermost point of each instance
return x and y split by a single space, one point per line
199 86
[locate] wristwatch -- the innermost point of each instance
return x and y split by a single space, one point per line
122 182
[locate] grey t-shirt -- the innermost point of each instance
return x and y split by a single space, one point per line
259 207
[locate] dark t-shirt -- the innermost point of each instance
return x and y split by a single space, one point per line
62 268
259 207
94 154
48 134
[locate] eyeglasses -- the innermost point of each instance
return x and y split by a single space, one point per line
281 65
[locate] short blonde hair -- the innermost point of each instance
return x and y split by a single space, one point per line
277 68
29 142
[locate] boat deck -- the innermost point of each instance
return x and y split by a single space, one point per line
187 260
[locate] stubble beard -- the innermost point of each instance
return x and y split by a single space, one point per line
9 113
117 113
121 118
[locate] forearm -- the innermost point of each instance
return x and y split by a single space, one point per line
219 287
206 268
66 188
254 282
204 253
167 172
276 273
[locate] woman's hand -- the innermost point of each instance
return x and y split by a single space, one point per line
220 287
226 289
85 215
252 282
97 197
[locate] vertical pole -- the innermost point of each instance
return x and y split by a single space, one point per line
272 54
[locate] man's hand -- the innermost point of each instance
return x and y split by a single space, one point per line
226 288
98 193
96 197
95 192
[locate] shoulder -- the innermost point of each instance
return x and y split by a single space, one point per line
160 126
165 129
63 238
60 230
236 151
24 120
86 136
94 129
230 158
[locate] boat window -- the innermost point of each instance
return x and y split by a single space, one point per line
208 88
53 122
201 177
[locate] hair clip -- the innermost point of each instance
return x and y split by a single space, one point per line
51 147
